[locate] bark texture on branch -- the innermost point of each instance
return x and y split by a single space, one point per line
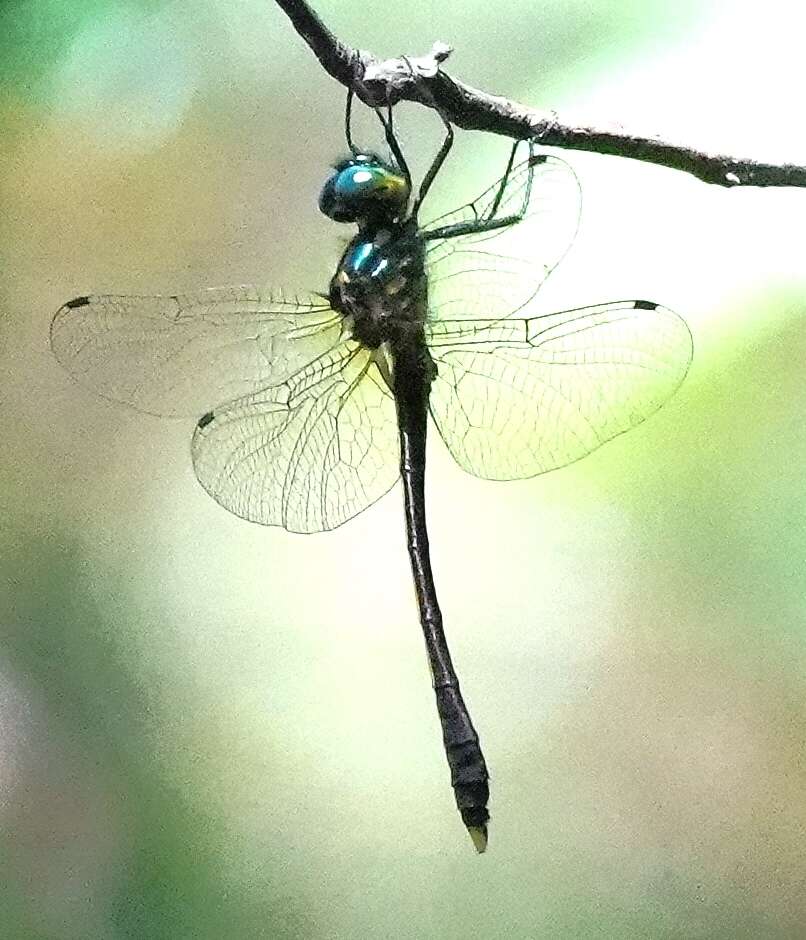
377 82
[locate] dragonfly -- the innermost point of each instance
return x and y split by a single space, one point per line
320 401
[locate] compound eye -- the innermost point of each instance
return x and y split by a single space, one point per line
331 204
365 181
361 187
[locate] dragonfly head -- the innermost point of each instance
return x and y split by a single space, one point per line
364 187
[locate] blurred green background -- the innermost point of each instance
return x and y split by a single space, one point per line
186 747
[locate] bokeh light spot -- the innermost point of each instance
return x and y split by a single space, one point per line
127 78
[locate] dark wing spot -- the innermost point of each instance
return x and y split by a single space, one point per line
77 302
537 158
645 305
205 420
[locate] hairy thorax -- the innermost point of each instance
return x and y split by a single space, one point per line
380 285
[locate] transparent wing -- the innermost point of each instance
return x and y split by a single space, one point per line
307 454
180 355
493 274
515 398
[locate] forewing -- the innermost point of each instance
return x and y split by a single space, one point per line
495 273
182 354
308 454
516 398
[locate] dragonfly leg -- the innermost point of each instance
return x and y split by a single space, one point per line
488 222
389 133
444 150
470 228
503 185
391 140
348 113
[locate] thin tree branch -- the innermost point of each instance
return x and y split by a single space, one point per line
377 82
